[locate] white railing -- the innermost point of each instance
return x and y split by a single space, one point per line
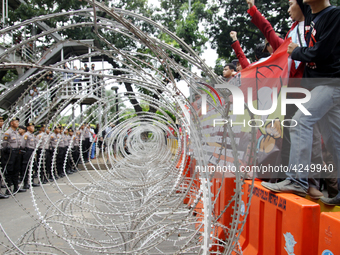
51 94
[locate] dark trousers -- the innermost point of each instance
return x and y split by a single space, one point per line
25 165
12 168
57 166
60 160
75 157
85 148
68 159
44 164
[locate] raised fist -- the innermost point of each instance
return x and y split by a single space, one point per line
233 35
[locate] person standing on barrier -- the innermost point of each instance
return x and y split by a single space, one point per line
296 33
1 157
322 69
11 145
28 145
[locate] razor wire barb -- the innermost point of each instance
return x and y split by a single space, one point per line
133 203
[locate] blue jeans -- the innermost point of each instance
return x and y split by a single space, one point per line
324 106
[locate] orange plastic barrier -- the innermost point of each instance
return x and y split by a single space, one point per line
329 234
186 173
225 195
280 223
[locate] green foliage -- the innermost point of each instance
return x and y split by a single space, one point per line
176 17
236 18
168 113
10 75
218 69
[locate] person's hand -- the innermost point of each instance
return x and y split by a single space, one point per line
291 47
233 35
250 3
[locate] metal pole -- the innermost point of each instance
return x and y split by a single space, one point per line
3 12
73 124
81 112
189 6
6 9
117 108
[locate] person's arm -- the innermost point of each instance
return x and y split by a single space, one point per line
24 141
323 48
263 24
5 143
238 50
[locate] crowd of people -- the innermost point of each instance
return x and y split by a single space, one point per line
19 143
314 63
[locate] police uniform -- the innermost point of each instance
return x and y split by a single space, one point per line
86 143
1 165
61 153
75 151
54 138
67 140
11 145
1 153
28 144
44 156
20 156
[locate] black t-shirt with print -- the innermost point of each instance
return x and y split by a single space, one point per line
322 57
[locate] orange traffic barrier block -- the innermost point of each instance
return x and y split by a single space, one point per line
194 189
244 237
227 191
280 223
329 234
186 173
324 207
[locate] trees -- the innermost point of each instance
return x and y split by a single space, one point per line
235 18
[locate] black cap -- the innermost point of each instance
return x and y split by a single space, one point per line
15 118
22 127
1 118
30 124
42 125
70 130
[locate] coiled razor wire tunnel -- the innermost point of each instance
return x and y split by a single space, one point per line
133 202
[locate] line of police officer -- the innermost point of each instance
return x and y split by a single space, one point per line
17 150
